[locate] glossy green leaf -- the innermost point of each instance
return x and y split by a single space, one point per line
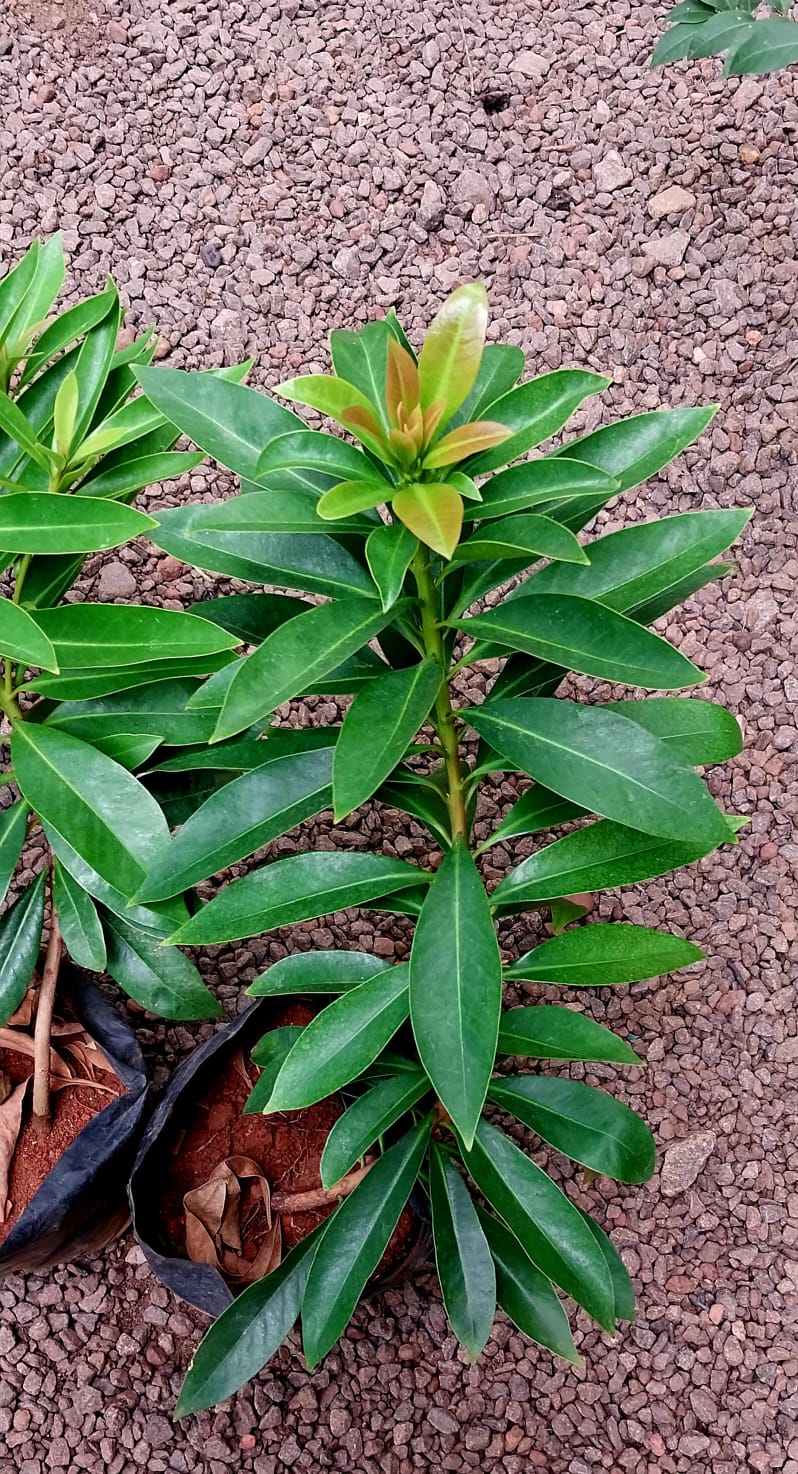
36 301
13 829
525 1294
239 819
545 1031
21 637
636 449
660 604
88 684
131 749
20 941
355 1242
160 707
607 952
129 476
228 421
16 426
342 1040
268 1055
599 857
389 552
772 44
433 512
536 809
535 411
456 987
545 480
87 635
343 502
79 922
341 401
467 440
248 1333
160 978
630 567
296 889
157 921
697 732
359 357
586 1124
524 535
548 1226
423 800
92 366
597 759
315 450
310 563
463 1258
102 811
296 655
584 636
15 286
621 1283
65 413
381 722
32 522
500 367
450 356
367 1120
282 512
245 753
252 617
317 972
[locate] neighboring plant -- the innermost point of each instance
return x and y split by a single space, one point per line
74 450
751 43
424 1048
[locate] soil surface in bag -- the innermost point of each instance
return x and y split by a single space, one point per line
209 1127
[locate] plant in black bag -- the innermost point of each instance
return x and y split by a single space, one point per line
403 534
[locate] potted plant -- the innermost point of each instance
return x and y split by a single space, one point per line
405 533
75 447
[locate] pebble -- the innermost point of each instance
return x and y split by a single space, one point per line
667 250
671 201
684 1160
116 582
611 173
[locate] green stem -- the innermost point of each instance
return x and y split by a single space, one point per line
444 715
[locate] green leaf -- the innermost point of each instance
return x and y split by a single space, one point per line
456 988
252 617
14 423
599 760
131 749
296 889
355 1242
360 359
315 450
87 635
389 552
536 482
544 1031
160 978
248 1333
35 303
244 753
157 921
128 476
534 412
160 707
526 1295
647 612
463 1258
31 522
295 656
15 285
341 1041
13 829
633 450
230 422
48 579
102 811
22 639
382 720
585 1124
772 45
335 397
611 952
630 567
423 800
79 922
450 356
584 636
65 329
367 1120
20 941
93 364
433 512
297 510
536 809
240 818
313 564
348 498
87 684
599 857
500 367
522 536
548 1226
697 732
621 1283
268 1054
65 413
317 972
721 32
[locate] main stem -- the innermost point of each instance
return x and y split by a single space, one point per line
44 1018
444 713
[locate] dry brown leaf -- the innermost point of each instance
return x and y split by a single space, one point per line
213 1222
10 1126
6 1086
24 1014
23 1044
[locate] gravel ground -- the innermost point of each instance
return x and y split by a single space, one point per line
254 174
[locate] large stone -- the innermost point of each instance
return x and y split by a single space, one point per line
611 173
433 205
531 64
473 188
667 250
684 1160
671 201
116 582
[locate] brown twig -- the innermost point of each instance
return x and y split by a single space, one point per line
319 1197
44 1021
